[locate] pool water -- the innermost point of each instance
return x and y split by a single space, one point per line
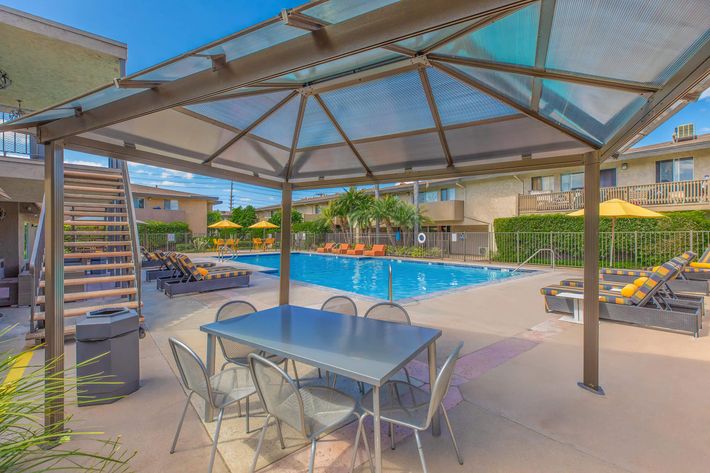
368 276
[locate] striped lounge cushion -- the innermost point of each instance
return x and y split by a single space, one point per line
226 274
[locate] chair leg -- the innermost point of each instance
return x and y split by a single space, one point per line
182 418
281 435
247 408
239 408
392 444
421 451
313 456
216 439
356 445
259 443
451 432
320 375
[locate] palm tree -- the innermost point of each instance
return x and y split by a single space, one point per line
349 206
384 209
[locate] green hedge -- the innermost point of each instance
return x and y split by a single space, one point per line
152 226
638 242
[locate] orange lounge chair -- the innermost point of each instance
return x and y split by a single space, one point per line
377 250
342 249
358 250
327 248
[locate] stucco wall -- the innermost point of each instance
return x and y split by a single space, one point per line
45 71
486 200
193 211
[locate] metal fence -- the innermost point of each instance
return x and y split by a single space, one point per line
630 249
12 143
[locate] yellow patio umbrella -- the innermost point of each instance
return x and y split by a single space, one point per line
264 224
223 224
617 208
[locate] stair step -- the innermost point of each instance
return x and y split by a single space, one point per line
79 268
93 213
79 311
93 223
91 244
109 176
106 185
91 198
99 190
93 205
95 232
80 296
39 334
98 254
95 280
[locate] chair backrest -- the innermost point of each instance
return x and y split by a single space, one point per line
234 351
359 247
329 246
442 383
705 257
688 257
344 246
278 393
192 371
655 282
378 247
340 305
389 312
189 267
256 240
270 241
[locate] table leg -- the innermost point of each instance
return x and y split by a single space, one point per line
436 420
209 412
378 431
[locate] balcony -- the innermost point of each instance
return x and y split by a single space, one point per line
691 195
443 211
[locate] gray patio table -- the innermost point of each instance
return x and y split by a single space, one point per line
366 350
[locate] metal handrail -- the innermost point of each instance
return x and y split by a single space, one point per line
552 253
133 231
35 266
222 252
390 295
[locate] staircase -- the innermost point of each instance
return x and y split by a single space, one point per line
101 257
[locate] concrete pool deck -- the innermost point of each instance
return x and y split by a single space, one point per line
515 405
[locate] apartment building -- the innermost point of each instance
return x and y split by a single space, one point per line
166 205
673 175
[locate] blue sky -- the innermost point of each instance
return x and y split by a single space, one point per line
158 30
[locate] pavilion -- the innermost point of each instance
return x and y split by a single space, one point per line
340 92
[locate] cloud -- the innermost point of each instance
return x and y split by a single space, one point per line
705 95
168 173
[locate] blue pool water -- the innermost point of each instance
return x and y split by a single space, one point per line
368 276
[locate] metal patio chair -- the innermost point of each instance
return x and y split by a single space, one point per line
312 410
411 407
346 306
390 312
219 391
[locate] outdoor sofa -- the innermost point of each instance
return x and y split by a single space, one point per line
204 279
646 305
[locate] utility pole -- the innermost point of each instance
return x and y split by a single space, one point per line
415 198
377 220
231 195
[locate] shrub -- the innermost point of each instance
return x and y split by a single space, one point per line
152 226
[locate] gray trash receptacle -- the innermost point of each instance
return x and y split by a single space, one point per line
115 333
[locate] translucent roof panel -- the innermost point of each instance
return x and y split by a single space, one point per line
335 11
459 103
93 100
241 112
178 69
317 129
279 126
626 39
593 111
516 87
323 161
259 156
348 63
425 40
511 39
379 107
262 38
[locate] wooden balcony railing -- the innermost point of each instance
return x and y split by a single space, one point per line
661 194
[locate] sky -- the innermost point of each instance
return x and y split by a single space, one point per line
157 30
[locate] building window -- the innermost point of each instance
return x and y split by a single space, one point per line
543 183
607 178
316 209
169 204
139 202
442 195
572 181
673 170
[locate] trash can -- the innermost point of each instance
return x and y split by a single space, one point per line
112 333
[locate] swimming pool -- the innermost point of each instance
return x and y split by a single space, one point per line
368 276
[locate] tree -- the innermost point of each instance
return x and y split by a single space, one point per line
244 216
213 217
349 208
296 217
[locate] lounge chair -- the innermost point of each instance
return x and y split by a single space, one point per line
342 249
377 250
165 268
203 279
269 243
690 279
645 306
150 258
358 250
327 248
177 273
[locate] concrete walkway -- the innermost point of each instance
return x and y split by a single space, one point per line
515 405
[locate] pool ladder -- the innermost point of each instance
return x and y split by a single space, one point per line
389 291
552 254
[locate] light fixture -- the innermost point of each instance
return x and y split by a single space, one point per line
624 166
17 113
4 80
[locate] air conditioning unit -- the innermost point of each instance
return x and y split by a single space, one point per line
482 251
684 132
